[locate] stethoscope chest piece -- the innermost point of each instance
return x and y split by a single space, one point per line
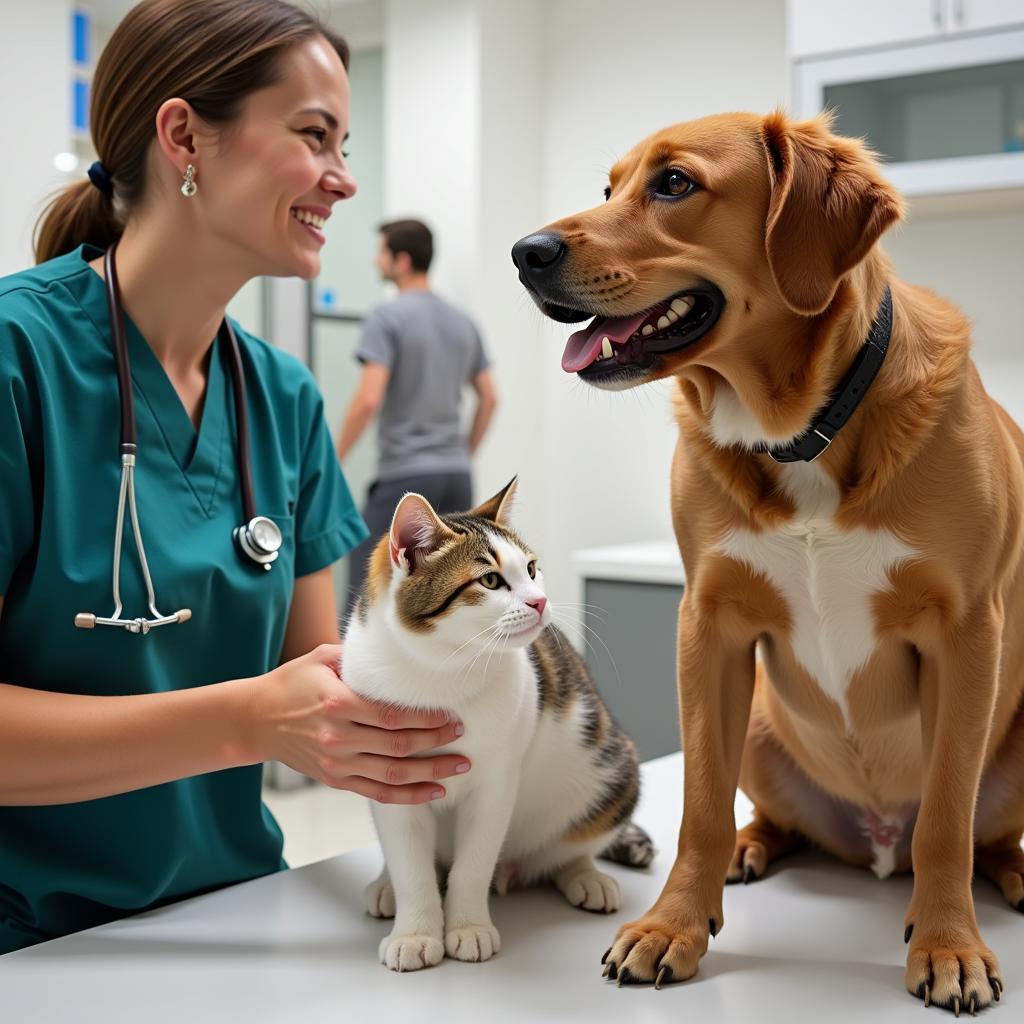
260 540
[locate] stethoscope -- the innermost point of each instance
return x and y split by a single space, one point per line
258 539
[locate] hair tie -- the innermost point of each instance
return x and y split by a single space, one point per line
100 177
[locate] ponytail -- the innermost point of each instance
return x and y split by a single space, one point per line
79 213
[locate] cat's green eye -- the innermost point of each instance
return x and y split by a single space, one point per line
532 570
491 580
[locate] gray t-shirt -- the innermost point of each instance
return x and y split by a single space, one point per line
432 350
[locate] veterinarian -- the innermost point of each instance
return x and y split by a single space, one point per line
418 353
136 706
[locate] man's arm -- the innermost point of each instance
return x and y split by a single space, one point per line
487 402
373 386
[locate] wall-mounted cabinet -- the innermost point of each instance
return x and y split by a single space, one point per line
937 89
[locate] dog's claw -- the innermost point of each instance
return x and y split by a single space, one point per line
712 927
612 972
927 995
607 968
997 988
908 932
624 977
749 875
664 973
973 1007
607 952
956 1006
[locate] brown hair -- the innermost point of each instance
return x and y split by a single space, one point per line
211 53
412 237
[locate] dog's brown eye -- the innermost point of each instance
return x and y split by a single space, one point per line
673 183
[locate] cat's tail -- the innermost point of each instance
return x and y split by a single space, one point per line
632 847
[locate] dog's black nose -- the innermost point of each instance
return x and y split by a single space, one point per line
537 256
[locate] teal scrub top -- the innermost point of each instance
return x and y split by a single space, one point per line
72 866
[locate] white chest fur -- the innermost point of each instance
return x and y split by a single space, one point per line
827 576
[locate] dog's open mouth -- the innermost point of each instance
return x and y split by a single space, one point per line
624 342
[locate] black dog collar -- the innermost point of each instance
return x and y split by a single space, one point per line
830 419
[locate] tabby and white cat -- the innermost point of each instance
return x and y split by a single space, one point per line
453 615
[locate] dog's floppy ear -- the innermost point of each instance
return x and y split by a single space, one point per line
829 205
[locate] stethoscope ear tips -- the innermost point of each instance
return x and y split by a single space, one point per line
85 620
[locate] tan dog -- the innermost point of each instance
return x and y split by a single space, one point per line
850 645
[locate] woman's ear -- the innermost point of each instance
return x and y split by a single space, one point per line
829 205
416 531
497 508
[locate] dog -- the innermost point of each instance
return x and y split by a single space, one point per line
847 503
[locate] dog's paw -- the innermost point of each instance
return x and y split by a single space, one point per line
957 977
749 862
472 942
410 952
592 890
380 898
657 949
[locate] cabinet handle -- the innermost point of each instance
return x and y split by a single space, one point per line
937 12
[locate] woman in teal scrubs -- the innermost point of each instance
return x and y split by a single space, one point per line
130 765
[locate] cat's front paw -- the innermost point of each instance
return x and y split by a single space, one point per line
410 952
473 942
380 898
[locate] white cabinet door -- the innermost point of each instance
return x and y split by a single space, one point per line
973 15
830 26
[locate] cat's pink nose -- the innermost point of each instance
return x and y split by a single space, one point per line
539 605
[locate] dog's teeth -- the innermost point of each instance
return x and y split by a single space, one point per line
682 306
671 316
648 329
606 348
663 322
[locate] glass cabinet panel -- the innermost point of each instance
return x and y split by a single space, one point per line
956 112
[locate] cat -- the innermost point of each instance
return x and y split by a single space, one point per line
453 615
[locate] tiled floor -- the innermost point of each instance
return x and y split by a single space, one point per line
320 822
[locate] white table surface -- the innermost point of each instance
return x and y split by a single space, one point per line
816 940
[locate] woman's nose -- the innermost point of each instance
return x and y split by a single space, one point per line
341 182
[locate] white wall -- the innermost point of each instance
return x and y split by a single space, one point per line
35 83
977 260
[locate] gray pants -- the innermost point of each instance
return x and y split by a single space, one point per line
447 492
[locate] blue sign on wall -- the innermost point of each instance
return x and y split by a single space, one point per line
80 105
80 37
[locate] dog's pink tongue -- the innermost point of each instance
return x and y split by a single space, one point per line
583 346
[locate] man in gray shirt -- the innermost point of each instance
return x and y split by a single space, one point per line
418 352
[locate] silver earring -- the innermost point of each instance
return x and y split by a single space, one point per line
188 186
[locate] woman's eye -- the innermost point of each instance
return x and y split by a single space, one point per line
532 570
318 133
491 580
674 183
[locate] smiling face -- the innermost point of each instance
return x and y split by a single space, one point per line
270 182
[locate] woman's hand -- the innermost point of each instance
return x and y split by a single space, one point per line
304 715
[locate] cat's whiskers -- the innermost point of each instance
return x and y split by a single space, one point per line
578 627
486 629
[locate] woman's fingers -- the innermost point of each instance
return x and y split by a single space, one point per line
416 793
390 717
399 742
402 771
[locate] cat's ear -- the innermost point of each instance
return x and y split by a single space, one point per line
497 508
415 532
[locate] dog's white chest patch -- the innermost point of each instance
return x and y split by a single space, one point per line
827 576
